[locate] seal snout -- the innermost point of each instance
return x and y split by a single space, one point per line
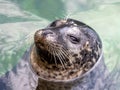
44 37
42 34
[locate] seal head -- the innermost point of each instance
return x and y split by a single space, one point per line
67 44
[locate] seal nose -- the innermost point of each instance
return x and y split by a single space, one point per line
41 36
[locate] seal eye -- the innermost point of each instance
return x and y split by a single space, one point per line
74 39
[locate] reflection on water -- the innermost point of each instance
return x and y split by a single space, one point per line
19 19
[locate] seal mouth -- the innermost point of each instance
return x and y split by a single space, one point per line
53 54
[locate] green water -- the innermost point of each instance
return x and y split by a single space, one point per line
19 19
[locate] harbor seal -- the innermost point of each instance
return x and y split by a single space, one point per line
66 55
65 49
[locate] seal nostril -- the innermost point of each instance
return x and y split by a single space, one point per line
47 32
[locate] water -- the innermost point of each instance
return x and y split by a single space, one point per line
19 19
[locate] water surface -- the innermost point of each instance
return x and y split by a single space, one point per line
19 19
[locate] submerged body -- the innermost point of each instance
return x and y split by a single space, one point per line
21 77
66 55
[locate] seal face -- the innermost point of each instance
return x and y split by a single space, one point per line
65 49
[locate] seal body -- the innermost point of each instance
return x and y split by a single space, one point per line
66 55
21 77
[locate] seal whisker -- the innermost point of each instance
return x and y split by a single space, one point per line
69 56
49 49
62 58
66 53
60 52
54 57
55 50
